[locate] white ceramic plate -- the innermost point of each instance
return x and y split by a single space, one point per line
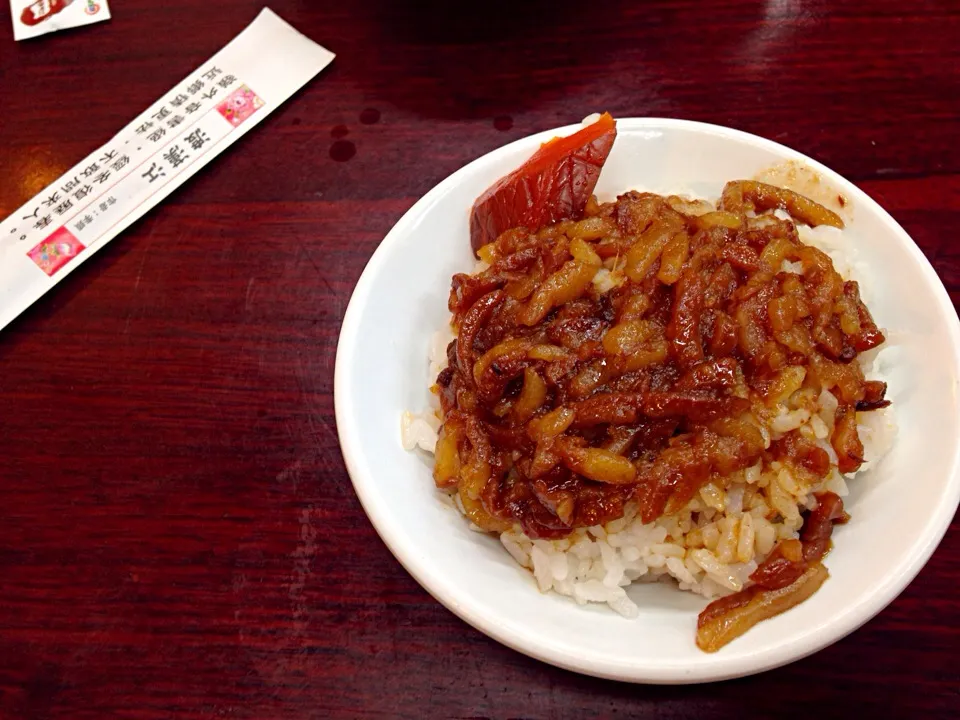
900 509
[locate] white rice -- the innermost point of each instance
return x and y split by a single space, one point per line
713 544
419 431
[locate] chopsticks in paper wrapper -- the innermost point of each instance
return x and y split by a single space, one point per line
97 199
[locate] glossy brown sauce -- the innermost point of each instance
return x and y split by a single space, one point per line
632 355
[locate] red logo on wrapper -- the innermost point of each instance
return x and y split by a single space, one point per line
56 251
41 10
239 105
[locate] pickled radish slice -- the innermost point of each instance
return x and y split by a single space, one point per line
553 185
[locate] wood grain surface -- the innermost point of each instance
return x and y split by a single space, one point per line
178 534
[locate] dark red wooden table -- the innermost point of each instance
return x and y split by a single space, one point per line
178 534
